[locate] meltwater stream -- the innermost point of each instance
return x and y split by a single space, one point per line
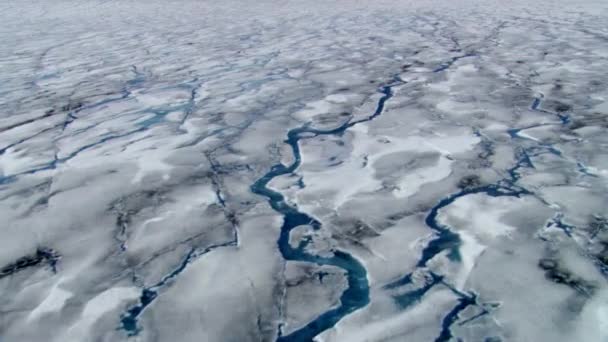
449 241
356 295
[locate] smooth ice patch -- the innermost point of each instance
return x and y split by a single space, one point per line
411 183
53 302
97 307
419 323
339 182
13 162
479 214
313 109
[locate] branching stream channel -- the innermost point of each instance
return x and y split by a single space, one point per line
357 294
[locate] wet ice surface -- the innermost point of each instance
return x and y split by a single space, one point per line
197 171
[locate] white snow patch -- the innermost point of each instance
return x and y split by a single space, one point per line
470 250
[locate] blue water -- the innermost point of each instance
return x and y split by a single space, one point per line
448 241
130 318
356 295
463 303
158 117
